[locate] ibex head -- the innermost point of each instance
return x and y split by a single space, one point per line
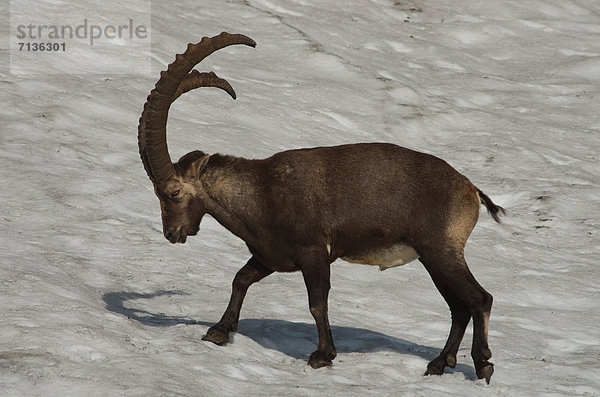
177 185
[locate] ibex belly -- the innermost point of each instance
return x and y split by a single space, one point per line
396 255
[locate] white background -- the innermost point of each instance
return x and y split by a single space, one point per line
94 301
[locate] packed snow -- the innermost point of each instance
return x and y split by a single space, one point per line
95 302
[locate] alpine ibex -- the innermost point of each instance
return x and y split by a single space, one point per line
375 204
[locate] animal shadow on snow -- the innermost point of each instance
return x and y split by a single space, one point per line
294 339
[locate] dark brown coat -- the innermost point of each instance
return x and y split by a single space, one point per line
300 210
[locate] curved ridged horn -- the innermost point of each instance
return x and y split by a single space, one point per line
196 79
176 80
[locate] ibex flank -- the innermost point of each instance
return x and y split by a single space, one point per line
300 210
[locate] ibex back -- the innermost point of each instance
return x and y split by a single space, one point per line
376 204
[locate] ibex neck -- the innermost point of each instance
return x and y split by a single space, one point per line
233 193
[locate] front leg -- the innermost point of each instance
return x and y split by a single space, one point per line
316 273
252 272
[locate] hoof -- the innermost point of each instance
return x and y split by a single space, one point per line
436 367
486 372
320 359
217 334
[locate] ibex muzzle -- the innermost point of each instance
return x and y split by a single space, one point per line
300 210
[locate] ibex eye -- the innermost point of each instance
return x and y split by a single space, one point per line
175 193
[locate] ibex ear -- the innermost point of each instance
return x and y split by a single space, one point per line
198 166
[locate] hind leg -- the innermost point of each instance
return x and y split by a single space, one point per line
466 299
460 320
480 351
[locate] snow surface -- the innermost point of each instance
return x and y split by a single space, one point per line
95 302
